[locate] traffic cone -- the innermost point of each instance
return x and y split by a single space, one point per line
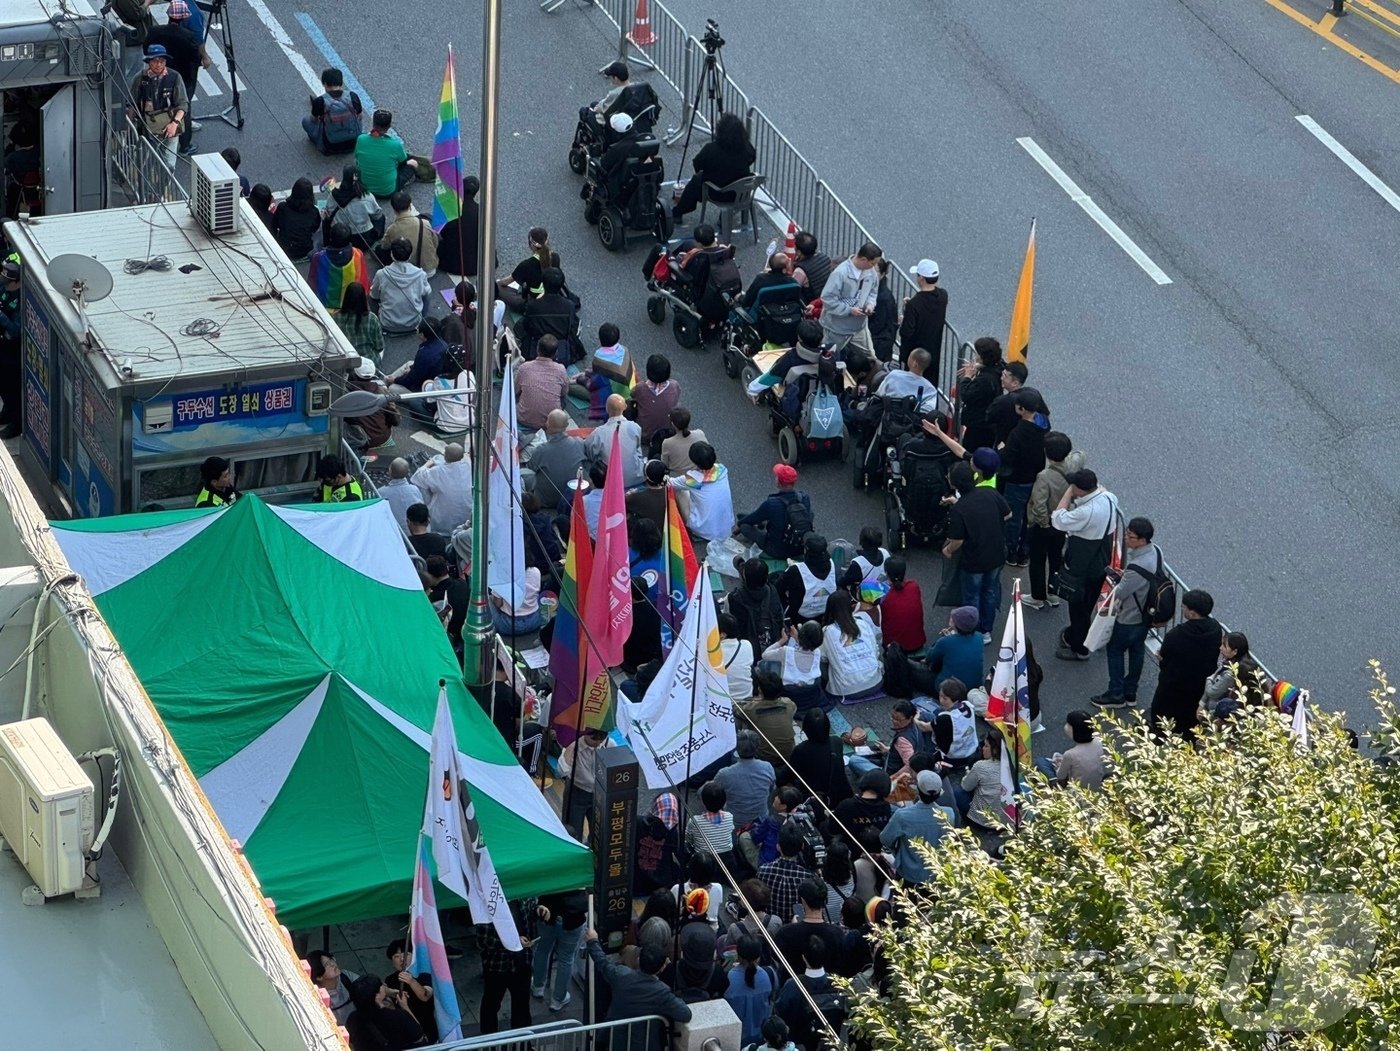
790 244
641 34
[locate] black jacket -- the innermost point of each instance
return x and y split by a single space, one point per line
457 243
884 324
923 325
636 995
296 230
1023 456
976 395
1189 654
717 165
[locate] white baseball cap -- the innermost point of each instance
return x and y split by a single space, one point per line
365 370
621 123
925 268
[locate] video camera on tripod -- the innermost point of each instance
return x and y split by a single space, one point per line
711 41
709 87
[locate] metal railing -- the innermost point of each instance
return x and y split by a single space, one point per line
140 166
634 1034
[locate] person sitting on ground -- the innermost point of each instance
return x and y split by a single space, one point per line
400 292
350 203
296 222
457 240
336 267
710 510
447 486
817 763
376 430
695 976
398 492
639 993
234 160
336 119
905 739
656 926
770 715
755 606
217 490
598 445
382 1017
360 324
868 809
384 163
839 877
327 975
1085 763
421 538
807 585
675 450
427 360
785 874
541 385
954 728
658 846
712 830
956 653
654 398
260 197
748 782
923 820
414 228
851 644
855 955
800 655
527 279
419 987
1237 677
979 795
902 609
781 523
551 313
336 485
867 577
610 372
513 621
725 159
555 461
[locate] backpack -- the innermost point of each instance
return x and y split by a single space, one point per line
831 1005
900 416
1159 605
799 523
724 275
341 123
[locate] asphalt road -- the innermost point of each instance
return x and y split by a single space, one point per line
1242 406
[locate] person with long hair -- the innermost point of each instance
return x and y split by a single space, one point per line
297 221
675 450
807 585
528 275
1237 676
979 385
725 159
851 644
979 795
750 987
360 324
350 203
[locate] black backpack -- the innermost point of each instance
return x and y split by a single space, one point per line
798 525
1159 605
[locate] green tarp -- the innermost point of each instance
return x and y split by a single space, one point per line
295 660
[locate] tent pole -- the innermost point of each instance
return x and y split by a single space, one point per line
478 636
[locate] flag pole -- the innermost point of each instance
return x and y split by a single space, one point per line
478 635
1016 625
584 643
689 755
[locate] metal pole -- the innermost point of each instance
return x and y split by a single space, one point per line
478 637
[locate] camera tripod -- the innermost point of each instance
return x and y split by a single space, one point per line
709 86
218 18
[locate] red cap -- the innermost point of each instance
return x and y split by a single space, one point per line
784 474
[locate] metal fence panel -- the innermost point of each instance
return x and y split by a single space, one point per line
140 168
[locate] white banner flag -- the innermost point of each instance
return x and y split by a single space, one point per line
661 730
505 574
460 856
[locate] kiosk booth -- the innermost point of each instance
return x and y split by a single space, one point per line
150 344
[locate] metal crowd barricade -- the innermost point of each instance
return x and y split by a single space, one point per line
140 167
634 1034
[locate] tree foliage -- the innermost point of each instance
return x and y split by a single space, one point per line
1241 895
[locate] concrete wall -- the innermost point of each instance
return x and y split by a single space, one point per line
225 943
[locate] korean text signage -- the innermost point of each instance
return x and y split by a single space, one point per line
38 351
614 823
216 406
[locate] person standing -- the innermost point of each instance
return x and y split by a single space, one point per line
337 486
162 104
638 993
1047 544
980 384
11 362
848 299
579 765
1189 654
185 55
1086 514
1129 636
217 490
925 313
506 972
1022 458
976 528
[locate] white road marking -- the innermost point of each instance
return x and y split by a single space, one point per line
1094 212
295 57
1349 159
216 54
431 441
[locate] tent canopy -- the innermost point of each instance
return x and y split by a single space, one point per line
295 660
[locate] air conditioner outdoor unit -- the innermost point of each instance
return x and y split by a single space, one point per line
46 808
214 194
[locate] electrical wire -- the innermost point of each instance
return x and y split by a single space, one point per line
158 264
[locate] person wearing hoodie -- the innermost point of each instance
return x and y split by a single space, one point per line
1046 543
400 290
756 606
1022 459
427 361
848 299
1189 654
336 267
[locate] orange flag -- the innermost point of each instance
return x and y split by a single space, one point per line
1019 341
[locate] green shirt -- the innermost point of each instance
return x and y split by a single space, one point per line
379 157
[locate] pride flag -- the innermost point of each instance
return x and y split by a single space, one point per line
681 570
330 281
447 151
429 950
607 608
567 648
1009 704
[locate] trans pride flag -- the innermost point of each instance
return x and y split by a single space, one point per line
681 571
1009 705
429 950
447 151
566 649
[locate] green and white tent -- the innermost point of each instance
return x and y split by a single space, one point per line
295 660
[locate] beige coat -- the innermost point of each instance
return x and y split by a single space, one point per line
407 227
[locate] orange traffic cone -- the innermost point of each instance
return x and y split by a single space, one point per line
790 243
641 34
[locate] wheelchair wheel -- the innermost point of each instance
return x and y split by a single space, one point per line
686 329
894 523
665 225
733 361
578 160
592 210
747 374
611 230
789 447
656 309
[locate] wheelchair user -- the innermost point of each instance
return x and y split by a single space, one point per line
612 165
596 115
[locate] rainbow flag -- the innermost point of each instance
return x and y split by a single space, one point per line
567 648
447 151
681 570
429 949
1009 705
329 281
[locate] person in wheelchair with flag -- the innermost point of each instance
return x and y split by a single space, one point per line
595 133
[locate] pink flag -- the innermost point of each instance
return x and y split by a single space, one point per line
608 603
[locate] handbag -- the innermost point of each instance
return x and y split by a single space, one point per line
1102 622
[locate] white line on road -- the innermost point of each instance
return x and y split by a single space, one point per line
313 80
1349 159
216 54
1094 212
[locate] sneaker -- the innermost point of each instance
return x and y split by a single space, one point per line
1033 603
1108 700
1053 601
195 125
559 1005
189 149
1019 563
537 991
986 638
1064 653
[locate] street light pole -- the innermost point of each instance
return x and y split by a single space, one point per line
478 638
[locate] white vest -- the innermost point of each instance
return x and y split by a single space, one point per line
874 580
964 722
815 592
793 675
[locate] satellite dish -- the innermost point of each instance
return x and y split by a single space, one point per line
79 277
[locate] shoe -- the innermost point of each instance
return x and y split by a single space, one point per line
559 1005
1019 563
1053 601
1033 603
537 991
453 953
190 149
196 125
1064 653
986 638
1108 700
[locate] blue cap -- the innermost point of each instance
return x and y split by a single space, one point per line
156 51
